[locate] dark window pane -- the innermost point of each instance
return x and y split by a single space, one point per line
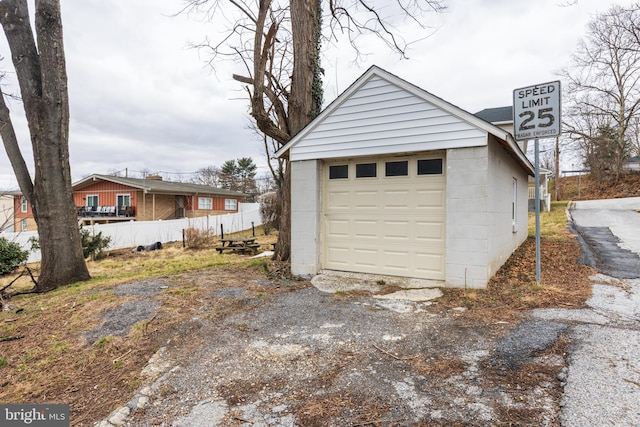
366 170
430 167
397 168
339 172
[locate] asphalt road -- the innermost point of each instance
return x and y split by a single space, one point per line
602 382
610 233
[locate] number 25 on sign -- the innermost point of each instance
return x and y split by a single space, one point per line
536 111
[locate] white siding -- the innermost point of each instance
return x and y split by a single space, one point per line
502 171
382 118
6 213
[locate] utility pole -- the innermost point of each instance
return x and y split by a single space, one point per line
557 169
537 196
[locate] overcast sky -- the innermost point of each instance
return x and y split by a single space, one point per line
141 99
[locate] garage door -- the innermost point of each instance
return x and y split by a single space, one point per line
385 216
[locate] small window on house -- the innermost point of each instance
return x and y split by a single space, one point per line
366 170
396 168
339 172
92 200
430 167
23 204
205 203
514 205
23 225
230 204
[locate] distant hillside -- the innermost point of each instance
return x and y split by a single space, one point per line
627 186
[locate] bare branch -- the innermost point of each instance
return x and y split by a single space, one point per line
602 89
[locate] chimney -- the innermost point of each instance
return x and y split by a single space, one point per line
154 177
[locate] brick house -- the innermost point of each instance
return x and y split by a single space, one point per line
22 214
106 199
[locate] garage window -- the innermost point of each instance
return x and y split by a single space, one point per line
366 170
430 167
396 168
339 172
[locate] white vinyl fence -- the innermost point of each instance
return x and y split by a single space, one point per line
135 233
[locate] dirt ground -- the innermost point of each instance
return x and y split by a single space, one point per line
247 345
302 357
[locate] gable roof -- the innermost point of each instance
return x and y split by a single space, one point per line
157 186
502 136
498 115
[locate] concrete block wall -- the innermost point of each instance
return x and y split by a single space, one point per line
306 217
503 169
467 220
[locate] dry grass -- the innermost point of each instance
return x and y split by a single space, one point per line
564 282
52 363
49 359
584 188
438 367
315 410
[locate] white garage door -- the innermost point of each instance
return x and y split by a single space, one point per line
385 216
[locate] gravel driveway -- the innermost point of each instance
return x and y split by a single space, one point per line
303 357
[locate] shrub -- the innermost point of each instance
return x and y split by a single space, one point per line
197 239
11 256
269 212
94 246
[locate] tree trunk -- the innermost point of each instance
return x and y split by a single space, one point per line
283 247
42 77
306 28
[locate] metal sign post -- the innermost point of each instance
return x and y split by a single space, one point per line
537 195
536 114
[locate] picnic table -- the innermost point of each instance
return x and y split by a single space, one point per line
238 244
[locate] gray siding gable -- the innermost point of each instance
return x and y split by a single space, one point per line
382 118
381 113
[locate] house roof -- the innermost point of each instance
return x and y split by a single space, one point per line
498 115
504 137
157 186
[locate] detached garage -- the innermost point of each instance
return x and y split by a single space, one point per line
392 180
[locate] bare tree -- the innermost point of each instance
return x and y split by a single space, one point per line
635 136
209 175
547 160
278 42
42 77
265 183
603 86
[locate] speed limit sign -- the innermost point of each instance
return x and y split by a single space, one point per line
536 111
